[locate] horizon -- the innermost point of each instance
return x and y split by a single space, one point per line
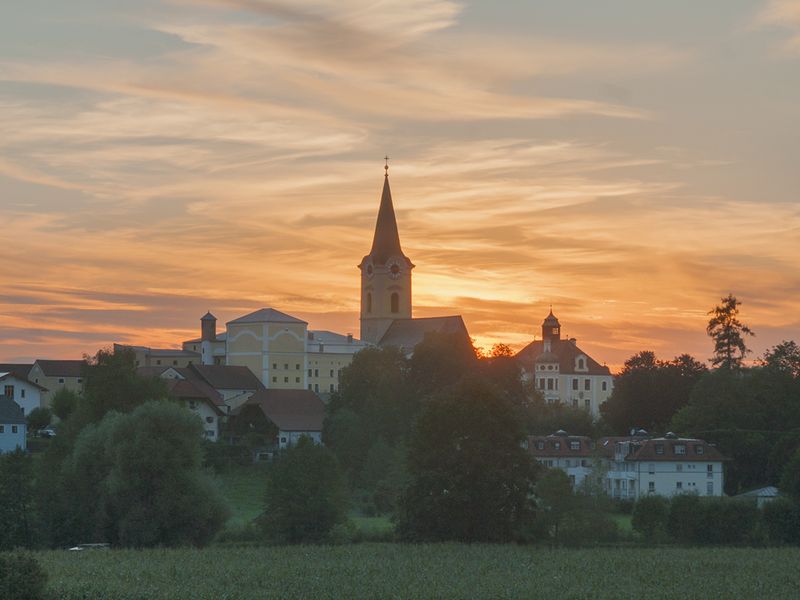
629 165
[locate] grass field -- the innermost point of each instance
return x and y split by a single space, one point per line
243 488
424 571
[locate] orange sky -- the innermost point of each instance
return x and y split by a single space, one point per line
629 166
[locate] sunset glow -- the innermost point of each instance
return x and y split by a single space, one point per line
627 163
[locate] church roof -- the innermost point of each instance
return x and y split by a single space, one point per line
386 242
566 351
208 317
266 315
407 333
551 319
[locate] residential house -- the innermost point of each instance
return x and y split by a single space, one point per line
574 454
202 400
13 427
55 375
27 394
290 414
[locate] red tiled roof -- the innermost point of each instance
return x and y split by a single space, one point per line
20 370
566 352
663 449
185 389
558 445
225 377
290 410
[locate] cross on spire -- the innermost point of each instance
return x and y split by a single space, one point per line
386 167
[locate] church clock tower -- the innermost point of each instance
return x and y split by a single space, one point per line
385 274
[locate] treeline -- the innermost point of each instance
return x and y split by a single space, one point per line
751 413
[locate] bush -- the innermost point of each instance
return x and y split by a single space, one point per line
21 577
782 519
726 521
305 496
685 514
650 516
587 526
221 456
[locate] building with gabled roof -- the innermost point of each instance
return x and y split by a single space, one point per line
293 413
21 390
563 372
55 375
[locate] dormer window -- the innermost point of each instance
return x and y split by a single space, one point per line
540 445
557 445
574 445
679 448
581 364
698 449
659 448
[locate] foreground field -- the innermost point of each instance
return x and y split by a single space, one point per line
425 571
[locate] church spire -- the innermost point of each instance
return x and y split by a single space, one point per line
386 242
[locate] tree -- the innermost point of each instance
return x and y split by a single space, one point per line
39 418
22 577
728 333
18 520
783 358
440 360
554 491
782 519
469 477
790 480
64 403
685 514
648 392
305 496
135 480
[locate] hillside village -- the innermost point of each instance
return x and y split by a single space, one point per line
269 369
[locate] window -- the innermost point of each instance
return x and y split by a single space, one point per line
283 440
210 433
14 429
175 363
710 488
331 387
285 366
297 367
575 384
285 380
395 301
310 387
581 364
274 380
557 445
2 428
652 469
369 302
9 391
22 393
192 404
549 383
588 404
540 445
659 448
297 380
61 379
331 372
679 467
710 471
651 487
274 365
209 419
574 403
309 372
678 485
574 445
541 383
698 449
316 387
604 386
587 384
679 448
316 372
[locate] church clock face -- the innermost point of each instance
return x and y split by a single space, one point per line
394 270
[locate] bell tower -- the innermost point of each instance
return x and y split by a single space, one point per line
385 274
551 330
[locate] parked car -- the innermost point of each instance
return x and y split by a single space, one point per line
46 433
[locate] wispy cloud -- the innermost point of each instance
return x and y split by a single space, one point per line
786 15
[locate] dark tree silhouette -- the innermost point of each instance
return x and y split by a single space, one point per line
728 333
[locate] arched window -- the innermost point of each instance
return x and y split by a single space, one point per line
369 302
395 302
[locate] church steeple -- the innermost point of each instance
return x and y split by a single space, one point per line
385 273
386 242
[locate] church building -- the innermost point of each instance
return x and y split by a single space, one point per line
564 373
386 299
